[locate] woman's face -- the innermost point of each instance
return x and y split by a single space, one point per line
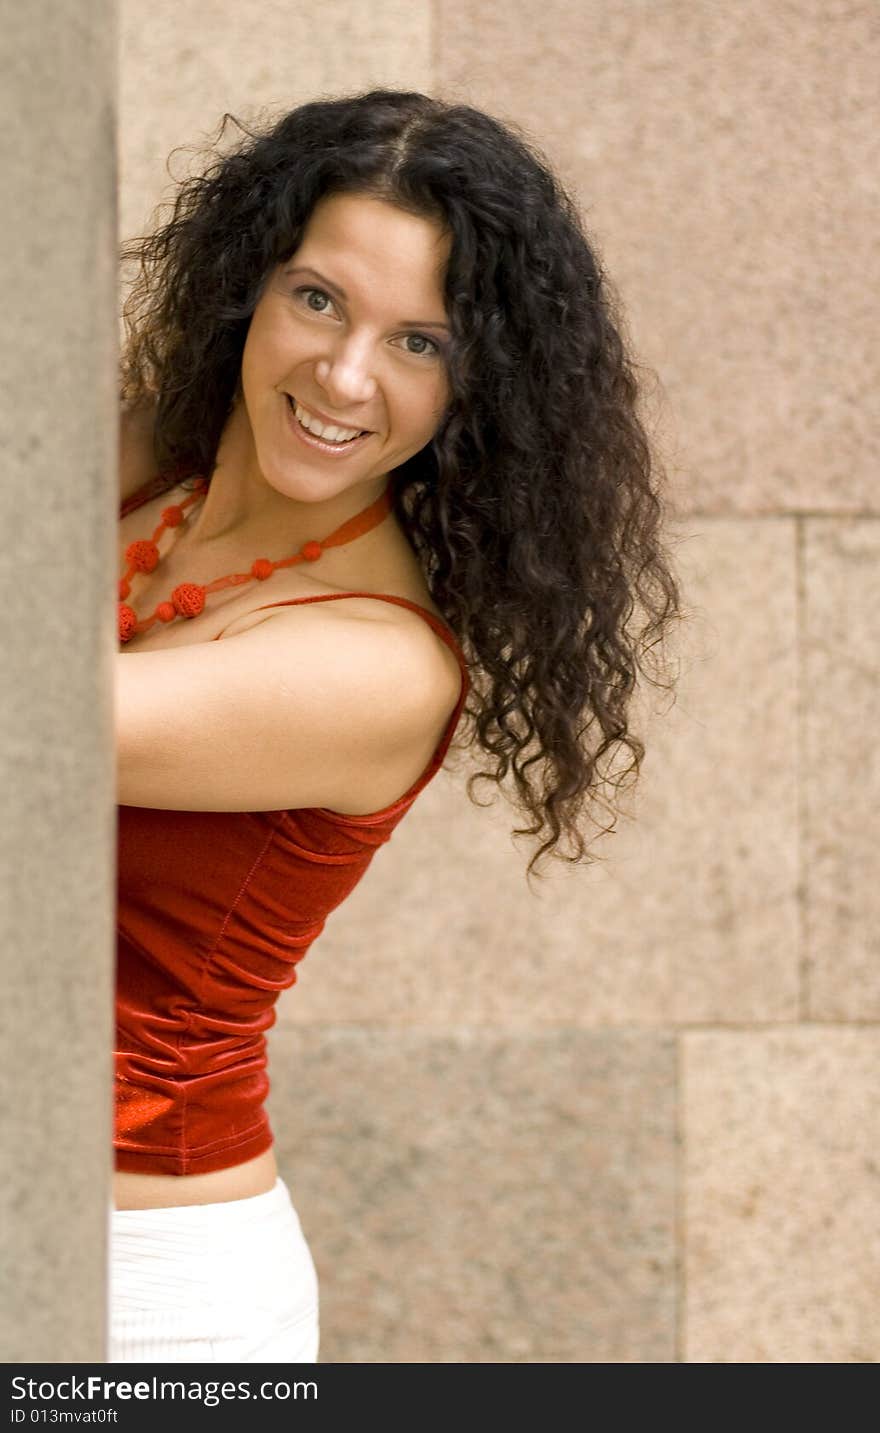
352 330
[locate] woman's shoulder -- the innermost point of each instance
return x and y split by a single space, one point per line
410 618
316 705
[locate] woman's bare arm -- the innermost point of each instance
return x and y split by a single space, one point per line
306 708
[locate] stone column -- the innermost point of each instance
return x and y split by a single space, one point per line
58 347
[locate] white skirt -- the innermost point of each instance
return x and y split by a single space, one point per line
213 1283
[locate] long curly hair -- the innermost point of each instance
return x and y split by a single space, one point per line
532 511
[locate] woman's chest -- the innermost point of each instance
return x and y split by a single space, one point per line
152 563
235 598
229 597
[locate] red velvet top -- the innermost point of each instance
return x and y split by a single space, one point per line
214 912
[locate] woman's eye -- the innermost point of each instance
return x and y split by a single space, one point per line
421 338
309 294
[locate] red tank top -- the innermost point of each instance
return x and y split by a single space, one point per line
214 912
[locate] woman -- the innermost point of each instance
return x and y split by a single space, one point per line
379 451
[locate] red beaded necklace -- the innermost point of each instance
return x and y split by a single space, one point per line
188 598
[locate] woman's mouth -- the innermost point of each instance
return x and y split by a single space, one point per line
322 437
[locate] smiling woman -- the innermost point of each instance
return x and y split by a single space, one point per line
372 373
344 360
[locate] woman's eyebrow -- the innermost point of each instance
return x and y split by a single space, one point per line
340 293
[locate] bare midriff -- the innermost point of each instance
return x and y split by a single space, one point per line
161 1191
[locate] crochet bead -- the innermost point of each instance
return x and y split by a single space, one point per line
262 568
124 588
165 612
142 555
127 622
172 516
311 551
188 599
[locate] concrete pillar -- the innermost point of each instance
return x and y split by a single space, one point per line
57 572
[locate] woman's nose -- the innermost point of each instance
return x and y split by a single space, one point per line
345 374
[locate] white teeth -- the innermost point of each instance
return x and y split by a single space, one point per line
330 432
